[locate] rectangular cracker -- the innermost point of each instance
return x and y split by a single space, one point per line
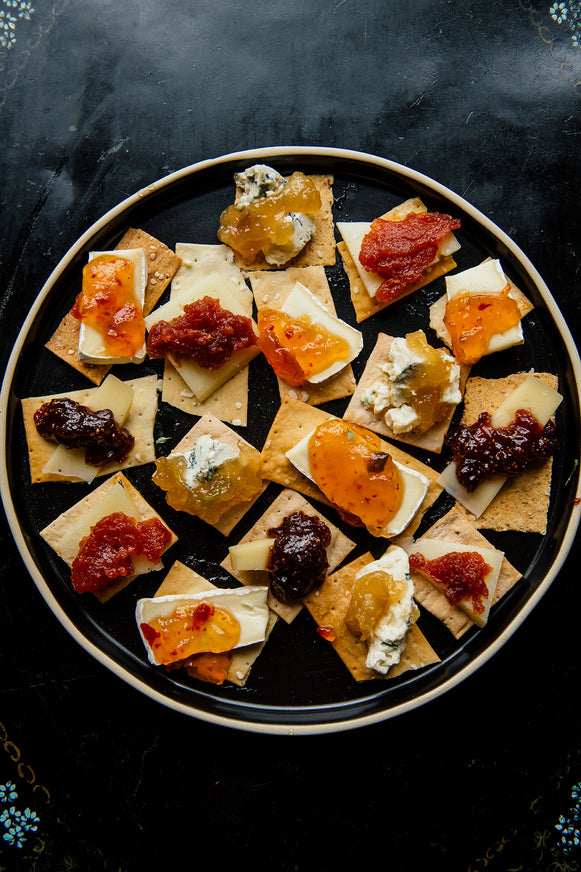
140 424
365 306
432 440
182 580
288 501
522 503
271 289
53 533
320 250
230 402
293 421
162 264
328 606
455 527
215 428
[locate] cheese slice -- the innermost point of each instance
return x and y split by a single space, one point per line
92 345
116 499
415 486
251 555
537 398
432 549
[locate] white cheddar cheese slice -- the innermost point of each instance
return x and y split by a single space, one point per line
246 604
251 555
415 487
116 499
92 346
432 549
537 398
301 302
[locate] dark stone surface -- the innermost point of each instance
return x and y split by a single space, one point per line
98 99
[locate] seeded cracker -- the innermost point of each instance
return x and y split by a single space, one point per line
320 250
271 289
139 423
328 606
431 440
287 502
454 527
366 306
162 264
182 580
54 532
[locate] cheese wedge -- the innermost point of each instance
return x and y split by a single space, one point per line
251 555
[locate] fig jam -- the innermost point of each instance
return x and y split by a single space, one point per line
298 558
69 423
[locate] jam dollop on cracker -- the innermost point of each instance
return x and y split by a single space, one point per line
298 557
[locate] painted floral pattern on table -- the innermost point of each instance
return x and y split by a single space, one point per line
568 13
16 824
11 13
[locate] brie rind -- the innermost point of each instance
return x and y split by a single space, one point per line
415 487
432 549
246 604
537 398
92 346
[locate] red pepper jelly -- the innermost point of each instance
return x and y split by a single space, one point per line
298 558
401 251
69 423
461 574
205 333
481 450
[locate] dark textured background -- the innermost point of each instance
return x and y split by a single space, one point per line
98 99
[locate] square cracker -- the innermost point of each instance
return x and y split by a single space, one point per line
293 421
431 440
54 532
230 402
288 501
522 503
215 428
140 424
320 250
365 306
162 264
271 289
183 580
328 606
455 527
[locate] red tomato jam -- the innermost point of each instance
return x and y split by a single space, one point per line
329 633
106 553
460 573
401 251
298 558
107 303
205 333
69 423
481 450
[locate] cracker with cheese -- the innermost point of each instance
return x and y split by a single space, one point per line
360 413
117 494
286 502
328 606
209 270
272 290
182 580
136 400
363 284
162 264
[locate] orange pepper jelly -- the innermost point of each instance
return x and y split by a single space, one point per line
348 465
297 348
108 304
190 630
473 319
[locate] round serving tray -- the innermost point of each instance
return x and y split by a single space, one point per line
298 684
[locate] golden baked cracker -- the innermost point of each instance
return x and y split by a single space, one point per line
328 606
271 289
522 503
288 501
54 532
182 580
293 421
140 423
432 440
162 264
215 428
365 306
320 250
455 527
